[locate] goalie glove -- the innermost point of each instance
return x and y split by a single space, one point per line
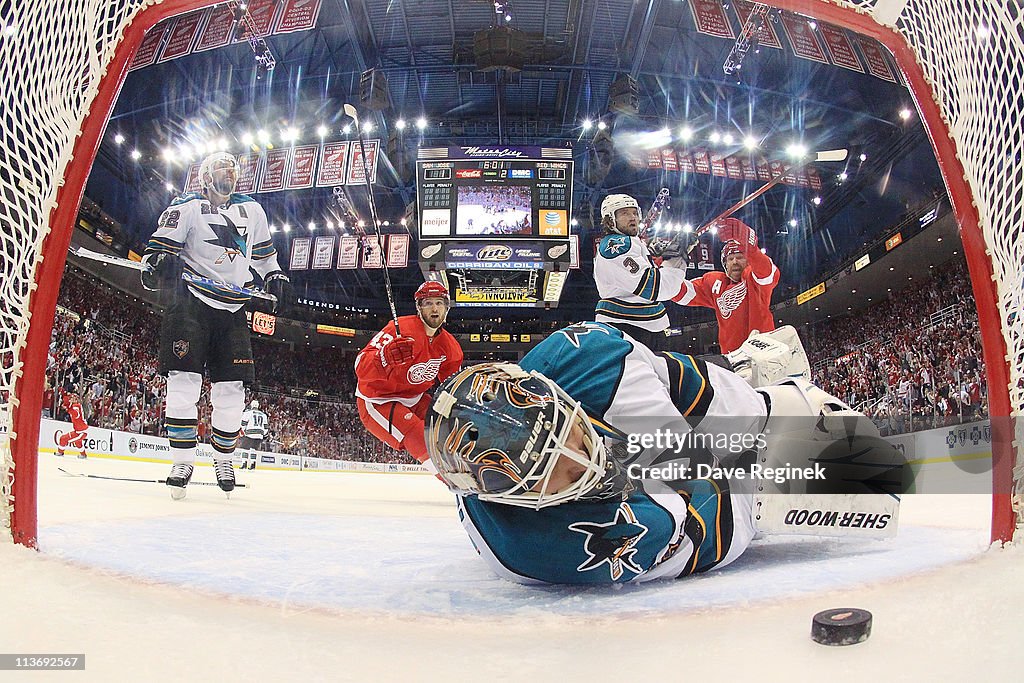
161 272
278 284
397 352
765 358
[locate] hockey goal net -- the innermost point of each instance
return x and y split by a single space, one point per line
62 64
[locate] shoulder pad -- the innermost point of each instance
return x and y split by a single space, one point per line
237 198
614 245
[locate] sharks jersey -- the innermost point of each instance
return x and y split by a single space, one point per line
631 287
659 531
255 424
217 243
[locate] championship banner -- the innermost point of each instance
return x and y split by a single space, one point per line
149 47
356 170
248 164
398 251
718 165
371 252
262 13
749 169
685 161
668 160
332 165
839 47
323 252
348 253
192 179
574 251
298 15
303 163
709 16
300 253
182 35
217 32
701 162
766 34
733 168
802 39
653 158
877 66
704 260
275 170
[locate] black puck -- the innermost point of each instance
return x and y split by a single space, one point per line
842 626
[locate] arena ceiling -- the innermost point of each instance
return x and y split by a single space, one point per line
576 50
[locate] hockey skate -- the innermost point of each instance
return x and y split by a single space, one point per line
178 479
225 475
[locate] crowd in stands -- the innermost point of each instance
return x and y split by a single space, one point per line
912 361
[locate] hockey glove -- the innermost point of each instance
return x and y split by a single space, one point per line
161 272
397 352
735 229
278 284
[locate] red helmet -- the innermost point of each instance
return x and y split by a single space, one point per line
431 289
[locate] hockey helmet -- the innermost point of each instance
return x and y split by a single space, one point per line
255 405
613 203
213 163
729 248
431 289
498 432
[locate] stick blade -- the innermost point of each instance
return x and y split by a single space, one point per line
832 155
350 111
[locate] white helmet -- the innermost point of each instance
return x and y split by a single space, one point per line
255 404
206 170
613 203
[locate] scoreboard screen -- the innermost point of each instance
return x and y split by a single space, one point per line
514 196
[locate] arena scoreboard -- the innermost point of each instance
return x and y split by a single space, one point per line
494 222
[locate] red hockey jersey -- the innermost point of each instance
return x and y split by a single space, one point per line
77 414
434 360
741 307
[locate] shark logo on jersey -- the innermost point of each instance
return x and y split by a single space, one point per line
617 244
227 237
575 332
612 543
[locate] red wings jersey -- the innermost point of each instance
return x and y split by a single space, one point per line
434 360
77 416
741 307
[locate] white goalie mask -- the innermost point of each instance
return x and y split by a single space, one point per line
613 203
212 173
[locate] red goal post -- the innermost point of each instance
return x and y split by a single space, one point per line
64 64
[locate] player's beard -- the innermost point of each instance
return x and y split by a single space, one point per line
223 186
435 321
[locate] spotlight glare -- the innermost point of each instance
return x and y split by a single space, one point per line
587 123
817 201
118 139
750 142
714 138
421 123
136 154
321 130
842 176
400 124
687 227
169 186
685 133
248 139
601 125
792 222
367 126
905 114
796 150
727 139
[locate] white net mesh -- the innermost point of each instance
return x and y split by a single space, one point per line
53 53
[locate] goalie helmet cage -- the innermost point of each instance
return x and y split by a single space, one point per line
63 64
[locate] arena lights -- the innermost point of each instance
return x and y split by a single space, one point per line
421 123
400 124
792 222
601 125
367 126
286 228
687 228
816 201
346 129
312 226
905 114
330 225
136 154
750 142
169 186
290 134
685 133
715 138
263 137
168 154
321 130
587 124
727 139
796 150
118 139
842 177
248 139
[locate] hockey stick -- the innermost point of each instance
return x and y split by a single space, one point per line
350 111
827 155
145 481
82 252
654 213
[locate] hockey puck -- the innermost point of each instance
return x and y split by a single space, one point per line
841 626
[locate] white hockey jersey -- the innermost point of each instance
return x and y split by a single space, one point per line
631 286
217 243
255 424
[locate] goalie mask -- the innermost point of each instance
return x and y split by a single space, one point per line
613 203
512 437
219 172
255 405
